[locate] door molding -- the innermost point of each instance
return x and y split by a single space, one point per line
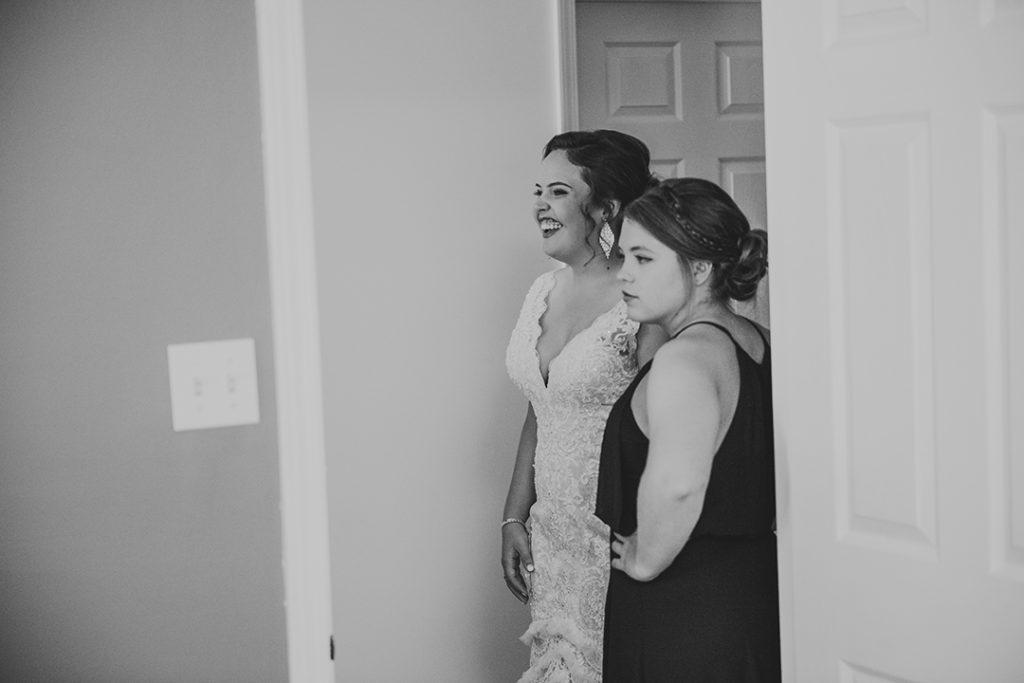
296 334
567 72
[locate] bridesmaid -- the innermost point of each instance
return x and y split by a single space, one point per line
687 464
572 353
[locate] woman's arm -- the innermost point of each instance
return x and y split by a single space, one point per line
515 541
683 415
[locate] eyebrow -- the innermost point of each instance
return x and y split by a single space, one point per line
557 182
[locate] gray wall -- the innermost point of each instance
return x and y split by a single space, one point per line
131 217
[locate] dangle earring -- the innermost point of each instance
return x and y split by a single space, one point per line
606 238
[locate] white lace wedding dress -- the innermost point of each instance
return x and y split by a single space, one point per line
570 545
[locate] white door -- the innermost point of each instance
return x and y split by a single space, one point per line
895 149
684 77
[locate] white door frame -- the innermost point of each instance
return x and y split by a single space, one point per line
567 72
296 333
569 102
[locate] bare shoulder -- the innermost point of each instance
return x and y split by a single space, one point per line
684 380
697 355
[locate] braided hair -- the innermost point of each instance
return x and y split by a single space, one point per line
700 222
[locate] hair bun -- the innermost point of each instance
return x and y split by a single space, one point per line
743 275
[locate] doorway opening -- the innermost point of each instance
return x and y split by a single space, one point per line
686 78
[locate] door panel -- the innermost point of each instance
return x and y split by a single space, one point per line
895 155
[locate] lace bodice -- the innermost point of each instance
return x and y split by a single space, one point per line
584 380
570 545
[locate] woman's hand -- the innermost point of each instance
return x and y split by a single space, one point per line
516 555
625 560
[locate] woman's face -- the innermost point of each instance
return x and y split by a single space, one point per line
561 199
654 284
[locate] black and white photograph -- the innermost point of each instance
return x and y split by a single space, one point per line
511 341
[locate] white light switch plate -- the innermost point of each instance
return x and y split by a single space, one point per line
213 384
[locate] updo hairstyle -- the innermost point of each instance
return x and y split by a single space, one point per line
615 166
700 222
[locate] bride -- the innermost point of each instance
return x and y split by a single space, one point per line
572 353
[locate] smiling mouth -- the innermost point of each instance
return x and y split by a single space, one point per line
627 296
549 226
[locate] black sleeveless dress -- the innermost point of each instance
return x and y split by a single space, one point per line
713 614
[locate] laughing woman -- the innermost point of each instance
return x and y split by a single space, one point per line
572 353
687 466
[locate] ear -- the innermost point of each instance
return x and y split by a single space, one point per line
614 206
702 272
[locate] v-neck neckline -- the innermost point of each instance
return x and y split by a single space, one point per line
545 378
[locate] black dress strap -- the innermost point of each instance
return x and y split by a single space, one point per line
764 340
706 322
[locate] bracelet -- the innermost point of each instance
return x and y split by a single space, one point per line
512 520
